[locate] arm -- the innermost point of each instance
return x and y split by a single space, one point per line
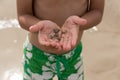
74 23
31 23
25 14
94 15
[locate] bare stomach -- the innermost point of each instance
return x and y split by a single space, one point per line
34 40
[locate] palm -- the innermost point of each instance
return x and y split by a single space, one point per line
44 29
70 35
71 32
45 33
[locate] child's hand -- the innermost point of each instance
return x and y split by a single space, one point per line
71 31
45 31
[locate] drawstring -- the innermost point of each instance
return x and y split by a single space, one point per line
58 66
62 59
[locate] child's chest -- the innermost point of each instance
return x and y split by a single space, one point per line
59 10
61 3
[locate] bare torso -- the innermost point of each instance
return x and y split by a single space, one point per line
57 11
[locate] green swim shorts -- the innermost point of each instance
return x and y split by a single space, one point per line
39 65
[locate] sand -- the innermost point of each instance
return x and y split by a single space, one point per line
101 45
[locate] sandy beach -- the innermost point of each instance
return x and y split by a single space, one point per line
101 44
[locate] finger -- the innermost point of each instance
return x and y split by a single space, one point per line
62 40
53 43
79 21
59 47
60 33
65 42
74 40
68 46
35 28
46 43
43 40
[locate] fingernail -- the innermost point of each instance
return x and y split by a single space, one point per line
30 27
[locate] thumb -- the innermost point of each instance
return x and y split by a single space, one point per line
35 28
79 21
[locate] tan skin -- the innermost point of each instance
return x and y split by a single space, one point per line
38 16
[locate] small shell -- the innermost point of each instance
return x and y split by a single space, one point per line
51 35
64 32
56 30
56 35
58 38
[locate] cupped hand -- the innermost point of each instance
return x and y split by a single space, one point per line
70 32
64 39
46 31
